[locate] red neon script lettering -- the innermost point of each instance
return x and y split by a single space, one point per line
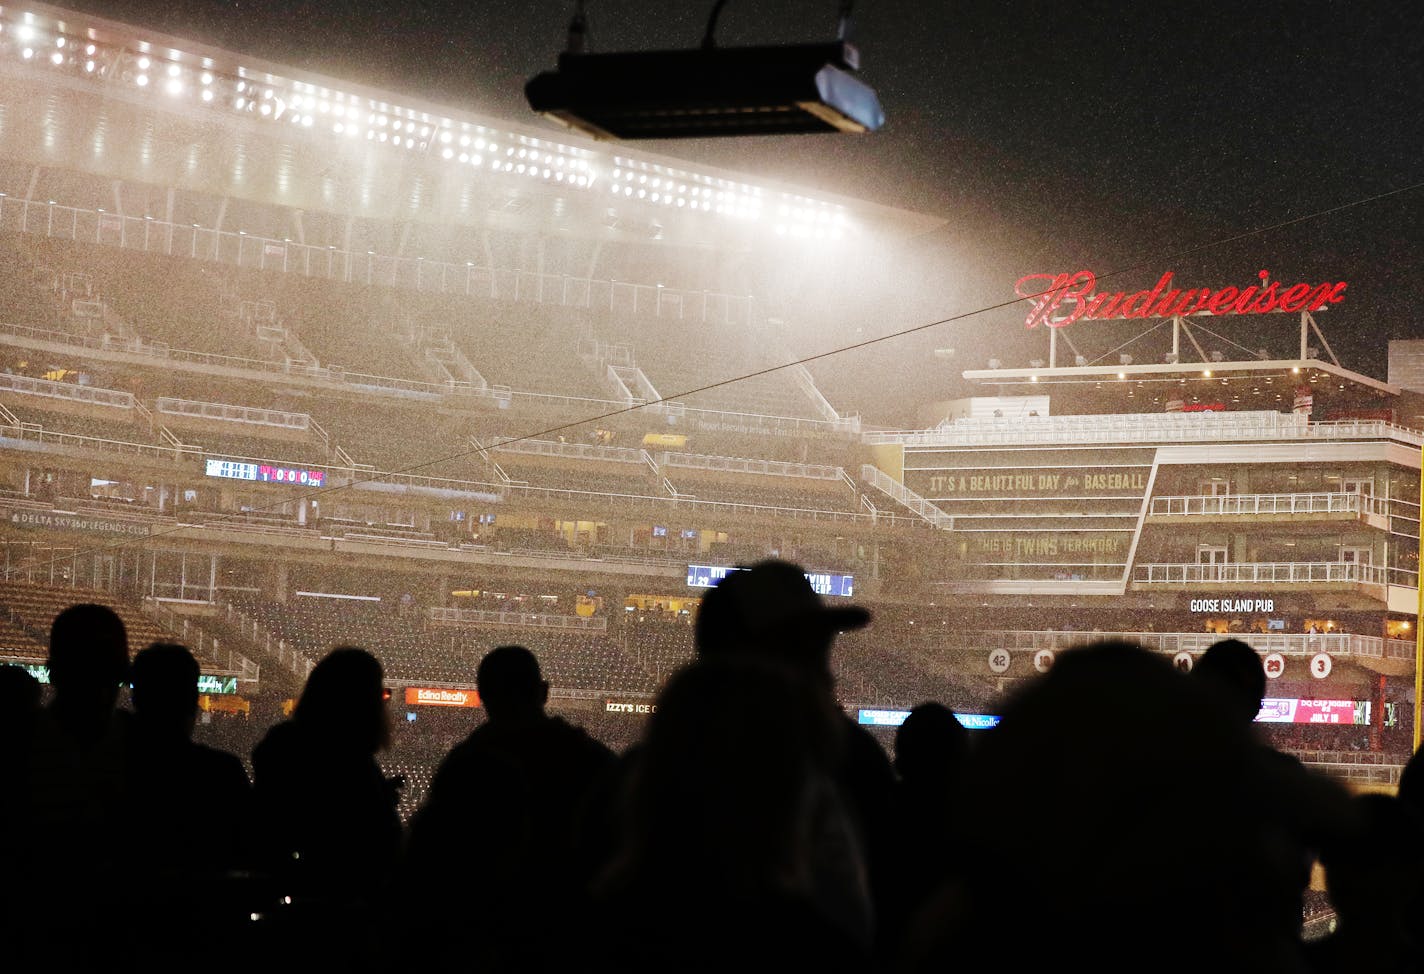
1061 299
1049 292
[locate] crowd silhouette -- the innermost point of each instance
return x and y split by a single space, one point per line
1122 815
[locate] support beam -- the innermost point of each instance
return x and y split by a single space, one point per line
1325 343
1195 344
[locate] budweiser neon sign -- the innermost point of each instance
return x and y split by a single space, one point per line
1061 299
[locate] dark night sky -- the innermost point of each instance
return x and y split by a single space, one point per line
1052 136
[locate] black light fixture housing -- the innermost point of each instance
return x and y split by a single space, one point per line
709 92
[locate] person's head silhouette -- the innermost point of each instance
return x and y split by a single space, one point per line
770 611
19 692
344 701
510 685
1116 741
931 746
88 659
165 689
1234 670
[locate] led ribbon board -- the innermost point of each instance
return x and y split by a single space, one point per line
822 583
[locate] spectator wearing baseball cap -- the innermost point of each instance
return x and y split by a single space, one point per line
770 612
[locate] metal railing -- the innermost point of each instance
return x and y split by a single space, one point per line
203 642
1352 773
1276 572
362 267
1247 504
66 390
575 451
290 658
1143 428
684 500
772 468
907 498
526 620
38 434
232 413
1285 643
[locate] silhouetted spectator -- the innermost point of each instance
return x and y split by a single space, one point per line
326 813
19 711
70 798
1312 810
188 807
770 612
188 803
1119 820
514 793
931 750
1375 878
1233 670
718 870
1411 782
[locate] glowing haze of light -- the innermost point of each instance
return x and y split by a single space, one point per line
169 74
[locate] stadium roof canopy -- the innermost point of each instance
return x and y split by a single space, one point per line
83 94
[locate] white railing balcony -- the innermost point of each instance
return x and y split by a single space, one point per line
232 413
65 390
526 620
574 451
1269 573
1250 504
902 495
1143 428
771 468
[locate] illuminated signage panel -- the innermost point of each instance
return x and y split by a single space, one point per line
264 473
822 583
441 697
1288 710
894 718
1061 299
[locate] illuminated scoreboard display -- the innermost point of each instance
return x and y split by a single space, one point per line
822 583
264 473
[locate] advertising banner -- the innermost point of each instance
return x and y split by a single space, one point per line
1286 710
91 524
440 697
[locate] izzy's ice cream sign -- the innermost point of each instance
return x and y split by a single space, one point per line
1061 299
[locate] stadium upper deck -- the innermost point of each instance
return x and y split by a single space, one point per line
332 159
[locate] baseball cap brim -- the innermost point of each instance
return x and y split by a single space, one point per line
845 618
